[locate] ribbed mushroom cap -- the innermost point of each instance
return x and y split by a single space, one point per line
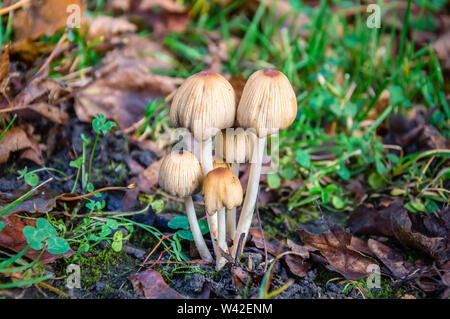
235 145
204 103
180 174
221 188
268 103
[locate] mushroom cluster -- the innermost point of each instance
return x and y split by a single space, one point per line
205 104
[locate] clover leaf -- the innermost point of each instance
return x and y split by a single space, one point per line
42 234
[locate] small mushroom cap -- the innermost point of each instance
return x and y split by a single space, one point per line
268 103
235 145
180 174
203 104
221 188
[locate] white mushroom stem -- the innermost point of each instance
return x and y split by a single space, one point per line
245 220
221 238
195 229
207 165
231 214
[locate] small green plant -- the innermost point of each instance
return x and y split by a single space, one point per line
43 237
100 126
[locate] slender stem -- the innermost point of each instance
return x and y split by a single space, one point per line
231 214
76 180
13 7
195 229
207 165
92 156
221 238
83 168
248 207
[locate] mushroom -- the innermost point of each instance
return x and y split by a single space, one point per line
181 175
268 104
234 145
204 103
221 190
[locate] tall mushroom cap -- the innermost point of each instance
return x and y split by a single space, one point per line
268 103
221 188
180 174
235 145
203 104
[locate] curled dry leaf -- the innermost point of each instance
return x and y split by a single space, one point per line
150 285
297 265
11 237
425 232
43 18
16 139
390 258
335 245
436 247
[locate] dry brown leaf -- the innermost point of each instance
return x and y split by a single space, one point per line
335 245
43 17
109 27
42 201
125 85
50 111
442 48
16 139
150 285
11 237
297 265
390 258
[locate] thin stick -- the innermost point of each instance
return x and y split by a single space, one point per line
13 7
104 189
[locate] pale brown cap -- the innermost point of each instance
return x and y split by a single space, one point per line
180 174
268 103
221 188
203 104
235 145
218 162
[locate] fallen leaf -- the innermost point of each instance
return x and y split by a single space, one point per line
390 258
273 248
402 227
109 27
125 85
151 285
167 5
335 245
16 139
49 111
44 17
366 220
41 201
11 237
442 48
239 277
297 265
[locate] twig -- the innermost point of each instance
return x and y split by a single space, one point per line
13 7
53 289
52 55
104 189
